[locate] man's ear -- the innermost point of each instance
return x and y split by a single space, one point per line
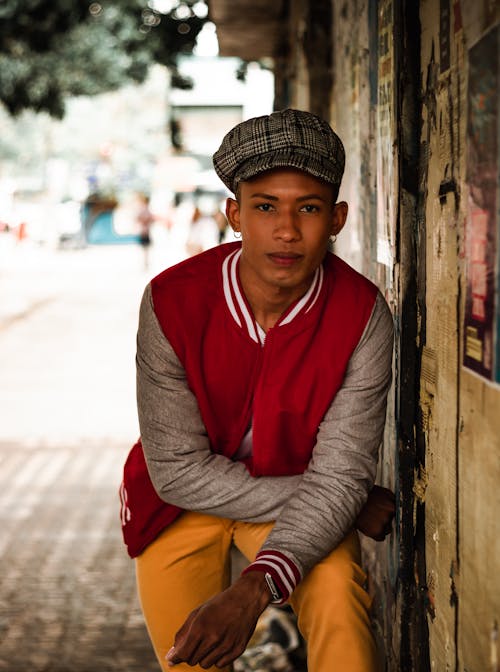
233 213
339 217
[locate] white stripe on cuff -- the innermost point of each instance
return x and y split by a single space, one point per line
289 586
276 558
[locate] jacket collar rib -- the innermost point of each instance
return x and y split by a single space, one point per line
240 309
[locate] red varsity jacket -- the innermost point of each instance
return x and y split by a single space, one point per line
282 387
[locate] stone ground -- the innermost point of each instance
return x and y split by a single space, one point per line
67 420
67 593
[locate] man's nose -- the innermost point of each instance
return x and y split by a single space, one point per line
287 227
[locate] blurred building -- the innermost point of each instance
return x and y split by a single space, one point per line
202 115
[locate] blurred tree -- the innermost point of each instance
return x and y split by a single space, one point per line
51 49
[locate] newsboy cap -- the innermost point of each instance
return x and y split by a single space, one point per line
288 138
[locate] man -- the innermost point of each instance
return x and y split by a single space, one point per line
262 375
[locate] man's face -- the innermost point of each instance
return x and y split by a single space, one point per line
285 217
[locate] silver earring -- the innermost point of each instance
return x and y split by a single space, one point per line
333 238
237 234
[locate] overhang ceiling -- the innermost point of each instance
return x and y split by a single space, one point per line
248 29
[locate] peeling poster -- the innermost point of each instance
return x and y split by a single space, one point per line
482 240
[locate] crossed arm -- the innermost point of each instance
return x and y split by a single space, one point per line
326 500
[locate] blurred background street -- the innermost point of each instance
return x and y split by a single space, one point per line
67 329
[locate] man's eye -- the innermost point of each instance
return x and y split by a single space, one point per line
309 207
264 207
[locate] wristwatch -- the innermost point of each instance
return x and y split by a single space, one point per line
275 593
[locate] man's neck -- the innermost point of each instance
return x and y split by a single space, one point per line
268 304
267 316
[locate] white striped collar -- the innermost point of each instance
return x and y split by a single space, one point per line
239 309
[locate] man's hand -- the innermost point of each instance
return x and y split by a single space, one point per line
217 632
375 518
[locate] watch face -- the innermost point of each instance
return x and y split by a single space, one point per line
275 593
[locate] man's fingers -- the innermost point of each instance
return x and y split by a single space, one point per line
174 657
213 658
385 505
185 642
171 657
220 654
381 495
206 650
384 508
185 646
194 642
229 657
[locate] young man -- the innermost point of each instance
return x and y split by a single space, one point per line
262 375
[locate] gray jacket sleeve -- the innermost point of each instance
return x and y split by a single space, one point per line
343 465
183 469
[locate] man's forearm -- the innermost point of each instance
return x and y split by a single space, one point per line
218 486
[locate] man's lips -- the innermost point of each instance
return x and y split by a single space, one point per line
284 258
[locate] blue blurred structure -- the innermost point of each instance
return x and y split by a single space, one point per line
98 228
102 232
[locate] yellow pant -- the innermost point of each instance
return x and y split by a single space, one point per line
189 563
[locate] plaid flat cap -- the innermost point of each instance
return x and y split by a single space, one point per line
286 139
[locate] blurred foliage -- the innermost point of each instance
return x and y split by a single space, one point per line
52 49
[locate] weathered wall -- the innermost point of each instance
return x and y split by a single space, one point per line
439 384
478 580
354 121
297 63
460 409
307 66
363 67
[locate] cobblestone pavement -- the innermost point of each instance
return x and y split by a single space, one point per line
67 592
67 418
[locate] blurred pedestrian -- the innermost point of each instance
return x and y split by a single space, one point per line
222 226
145 219
21 232
203 232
